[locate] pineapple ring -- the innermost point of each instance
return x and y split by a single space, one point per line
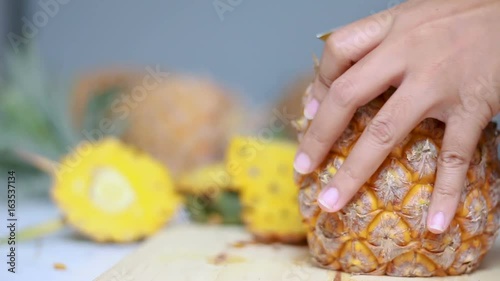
109 192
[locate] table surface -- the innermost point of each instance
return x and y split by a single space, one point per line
85 260
35 259
219 253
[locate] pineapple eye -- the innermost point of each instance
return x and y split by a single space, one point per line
283 170
255 199
253 172
269 216
273 188
284 213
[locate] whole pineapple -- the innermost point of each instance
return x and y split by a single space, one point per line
382 230
183 121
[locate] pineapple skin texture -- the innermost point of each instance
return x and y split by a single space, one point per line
382 231
185 123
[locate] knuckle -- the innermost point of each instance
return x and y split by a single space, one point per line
476 106
317 137
425 76
349 173
452 159
416 37
325 79
381 131
335 43
447 192
343 92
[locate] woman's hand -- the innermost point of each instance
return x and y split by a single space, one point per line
444 57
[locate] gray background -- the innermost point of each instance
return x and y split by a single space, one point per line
3 25
256 49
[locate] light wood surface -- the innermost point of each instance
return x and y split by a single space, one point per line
216 253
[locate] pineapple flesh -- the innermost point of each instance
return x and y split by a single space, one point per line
382 231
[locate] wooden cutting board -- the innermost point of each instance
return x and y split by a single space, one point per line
217 253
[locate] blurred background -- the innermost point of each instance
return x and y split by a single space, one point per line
57 54
255 47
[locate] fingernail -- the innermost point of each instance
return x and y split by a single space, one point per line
437 222
311 109
328 198
302 163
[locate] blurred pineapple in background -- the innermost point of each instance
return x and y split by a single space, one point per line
184 121
263 172
98 83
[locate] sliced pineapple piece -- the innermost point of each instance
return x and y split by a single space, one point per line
264 173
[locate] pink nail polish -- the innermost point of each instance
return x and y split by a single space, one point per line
311 109
302 163
328 199
437 222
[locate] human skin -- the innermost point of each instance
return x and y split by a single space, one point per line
444 58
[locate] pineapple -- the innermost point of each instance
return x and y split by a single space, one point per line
112 193
262 171
183 121
97 83
382 230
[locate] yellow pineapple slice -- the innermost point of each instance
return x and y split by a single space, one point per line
109 192
263 172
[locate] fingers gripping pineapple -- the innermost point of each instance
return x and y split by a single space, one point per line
383 229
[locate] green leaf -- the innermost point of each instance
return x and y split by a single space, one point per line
197 208
228 205
32 109
225 205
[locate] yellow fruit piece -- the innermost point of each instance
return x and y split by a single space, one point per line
206 180
59 266
263 172
109 192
